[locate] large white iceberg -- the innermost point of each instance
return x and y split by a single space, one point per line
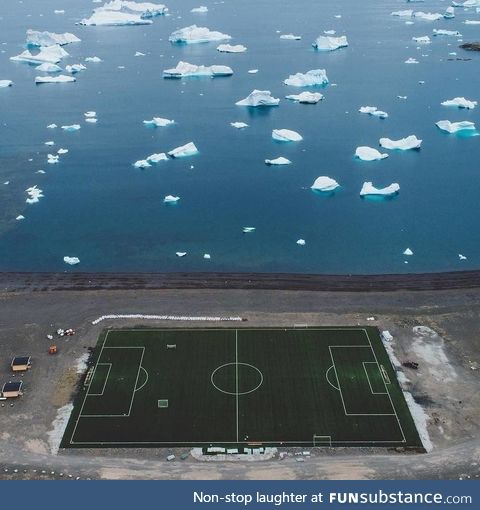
158 122
54 79
195 35
71 261
35 38
324 183
326 43
374 111
123 12
259 98
286 135
455 127
171 199
291 37
184 69
460 102
369 154
369 189
278 161
410 142
306 97
51 54
188 149
315 77
228 48
428 16
452 33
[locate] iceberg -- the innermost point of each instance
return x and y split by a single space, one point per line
428 16
374 111
158 122
259 98
180 253
460 102
72 261
202 9
207 256
327 43
20 217
291 37
324 183
73 127
5 83
306 97
301 242
455 127
47 67
156 158
196 35
472 22
170 199
75 68
410 142
123 12
184 69
449 13
35 38
238 125
369 154
52 159
142 163
52 126
461 257
408 252
93 59
248 230
34 194
315 77
411 61
422 40
403 14
62 151
278 161
90 115
228 48
51 54
188 149
453 33
54 79
369 189
286 135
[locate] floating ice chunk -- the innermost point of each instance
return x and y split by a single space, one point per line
91 120
324 183
403 14
315 77
369 189
48 67
259 98
188 149
89 115
248 230
40 172
158 122
410 142
156 158
71 261
139 54
408 252
52 159
59 11
252 71
472 22
369 154
181 253
460 102
301 242
52 126
286 135
62 78
195 35
462 257
184 69
428 16
291 37
121 12
34 195
374 111
207 256
170 199
328 43
239 125
411 60
72 127
228 48
449 13
306 97
278 161
50 143
200 9
75 68
142 163
5 83
455 127
95 60
424 39
52 54
20 217
35 38
62 151
453 33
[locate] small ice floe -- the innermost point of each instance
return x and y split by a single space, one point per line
5 83
156 158
34 194
374 111
315 77
369 154
71 261
195 35
291 37
59 11
451 33
20 217
460 102
324 183
40 172
180 253
184 69
410 142
49 143
286 135
403 14
54 79
411 60
424 39
402 97
306 97
408 252
41 39
62 151
91 120
455 127
52 126
207 256
278 161
462 257
51 54
171 199
252 71
239 125
90 115
228 48
142 163
48 67
72 127
52 159
428 16
472 22
124 12
139 54
95 59
449 13
158 122
188 149
369 189
75 68
201 9
259 98
301 242
248 230
328 43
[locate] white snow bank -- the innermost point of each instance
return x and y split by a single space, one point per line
180 318
81 363
410 142
259 98
328 43
35 38
71 261
286 135
306 97
59 425
228 48
278 161
369 189
315 77
195 35
188 149
374 111
52 54
324 183
54 79
158 122
369 154
184 69
455 127
421 420
460 102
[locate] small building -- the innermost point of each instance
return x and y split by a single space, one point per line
21 363
12 389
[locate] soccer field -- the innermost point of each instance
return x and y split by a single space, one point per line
238 387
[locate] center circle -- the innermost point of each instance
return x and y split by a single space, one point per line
237 378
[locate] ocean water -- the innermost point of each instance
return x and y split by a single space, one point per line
99 208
